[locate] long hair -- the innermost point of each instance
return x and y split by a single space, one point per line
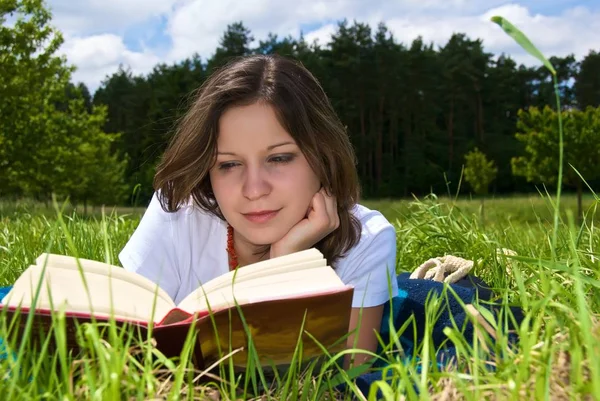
302 108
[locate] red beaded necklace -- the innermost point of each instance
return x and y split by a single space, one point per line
233 261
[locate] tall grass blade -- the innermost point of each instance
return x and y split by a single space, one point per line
526 44
522 40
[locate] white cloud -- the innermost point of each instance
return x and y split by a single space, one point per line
79 17
575 31
196 26
98 56
322 35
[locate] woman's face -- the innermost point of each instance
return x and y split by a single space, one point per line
261 179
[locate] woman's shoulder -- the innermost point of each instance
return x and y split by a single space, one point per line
186 227
377 235
189 224
372 221
188 210
371 262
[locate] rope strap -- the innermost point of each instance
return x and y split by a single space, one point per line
456 267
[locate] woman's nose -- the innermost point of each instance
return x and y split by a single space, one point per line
256 183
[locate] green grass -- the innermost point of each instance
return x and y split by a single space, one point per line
556 358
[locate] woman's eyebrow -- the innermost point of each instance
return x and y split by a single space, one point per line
279 144
268 148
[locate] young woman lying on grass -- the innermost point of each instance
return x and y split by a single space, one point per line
259 167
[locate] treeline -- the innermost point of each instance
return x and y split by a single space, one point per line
413 110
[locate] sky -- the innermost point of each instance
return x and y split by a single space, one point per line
100 35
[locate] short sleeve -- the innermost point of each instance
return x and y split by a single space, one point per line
370 267
151 251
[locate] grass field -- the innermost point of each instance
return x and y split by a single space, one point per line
557 287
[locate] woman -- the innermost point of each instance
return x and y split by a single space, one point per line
260 167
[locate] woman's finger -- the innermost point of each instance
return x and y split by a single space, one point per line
319 207
332 213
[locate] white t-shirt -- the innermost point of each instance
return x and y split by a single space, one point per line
181 250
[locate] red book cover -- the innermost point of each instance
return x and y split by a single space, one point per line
274 326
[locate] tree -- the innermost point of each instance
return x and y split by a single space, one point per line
464 65
351 58
45 123
504 96
145 109
235 42
543 85
538 131
587 84
273 45
32 77
83 166
479 173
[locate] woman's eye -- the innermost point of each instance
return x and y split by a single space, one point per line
281 159
227 166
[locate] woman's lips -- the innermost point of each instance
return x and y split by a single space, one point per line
261 216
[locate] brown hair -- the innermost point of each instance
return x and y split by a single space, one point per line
302 108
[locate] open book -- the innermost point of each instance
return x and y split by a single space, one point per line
277 297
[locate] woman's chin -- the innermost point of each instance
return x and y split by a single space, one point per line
263 237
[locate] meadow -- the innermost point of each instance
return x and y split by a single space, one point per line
556 286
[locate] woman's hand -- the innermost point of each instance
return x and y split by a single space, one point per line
322 218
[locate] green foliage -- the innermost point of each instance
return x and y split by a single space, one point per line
52 139
30 84
538 132
99 173
235 42
587 83
479 172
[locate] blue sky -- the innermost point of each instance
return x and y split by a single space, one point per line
102 34
151 32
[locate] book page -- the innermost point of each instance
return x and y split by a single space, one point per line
94 266
64 289
287 284
296 261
